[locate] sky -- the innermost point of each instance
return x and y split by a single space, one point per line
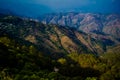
39 7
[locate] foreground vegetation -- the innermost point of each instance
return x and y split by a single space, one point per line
21 60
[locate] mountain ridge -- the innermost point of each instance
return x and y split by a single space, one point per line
86 22
56 39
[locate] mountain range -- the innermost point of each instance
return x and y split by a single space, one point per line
31 50
57 39
108 24
60 40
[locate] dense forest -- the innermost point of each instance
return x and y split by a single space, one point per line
21 59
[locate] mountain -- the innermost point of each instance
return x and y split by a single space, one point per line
30 50
51 37
54 39
87 22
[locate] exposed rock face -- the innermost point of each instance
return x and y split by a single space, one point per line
87 22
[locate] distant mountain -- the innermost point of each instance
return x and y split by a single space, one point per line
87 22
54 39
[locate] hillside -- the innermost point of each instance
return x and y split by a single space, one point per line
58 40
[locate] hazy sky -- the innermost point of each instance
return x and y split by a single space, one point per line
38 7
